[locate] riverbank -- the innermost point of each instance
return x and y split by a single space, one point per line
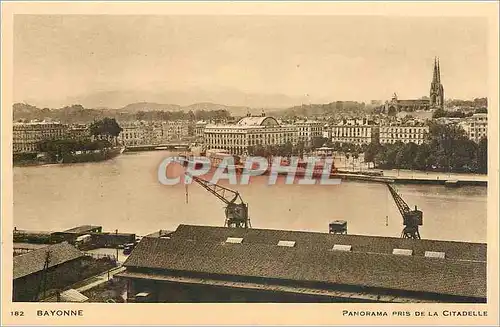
451 182
81 157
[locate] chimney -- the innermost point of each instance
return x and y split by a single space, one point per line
263 113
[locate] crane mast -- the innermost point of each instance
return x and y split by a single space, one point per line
236 210
411 218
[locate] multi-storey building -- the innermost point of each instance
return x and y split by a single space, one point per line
199 130
477 127
26 136
132 133
248 132
309 129
175 130
403 132
355 131
153 133
78 132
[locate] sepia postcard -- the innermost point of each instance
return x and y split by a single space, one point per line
250 163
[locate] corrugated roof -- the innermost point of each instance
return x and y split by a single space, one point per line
34 261
369 264
360 243
81 229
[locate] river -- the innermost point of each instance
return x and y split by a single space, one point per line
124 193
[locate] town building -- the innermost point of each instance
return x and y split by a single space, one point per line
175 130
327 131
199 130
78 132
411 131
307 130
248 132
132 133
354 131
142 133
397 105
26 136
44 269
476 127
218 264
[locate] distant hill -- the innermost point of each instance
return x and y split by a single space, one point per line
184 98
149 106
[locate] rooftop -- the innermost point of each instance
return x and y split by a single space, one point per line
82 229
257 121
34 261
370 261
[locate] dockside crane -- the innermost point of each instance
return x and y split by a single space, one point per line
411 218
236 209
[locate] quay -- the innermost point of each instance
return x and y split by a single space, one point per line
158 147
416 180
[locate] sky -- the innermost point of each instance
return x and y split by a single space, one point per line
328 58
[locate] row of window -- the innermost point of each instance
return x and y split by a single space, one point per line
407 136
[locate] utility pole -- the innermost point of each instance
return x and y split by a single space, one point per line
43 278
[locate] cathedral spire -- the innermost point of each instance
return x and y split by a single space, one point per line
436 95
435 75
438 72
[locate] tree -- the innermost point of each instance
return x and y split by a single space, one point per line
482 156
371 151
317 142
438 113
105 127
421 161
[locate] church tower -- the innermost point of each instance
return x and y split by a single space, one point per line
437 91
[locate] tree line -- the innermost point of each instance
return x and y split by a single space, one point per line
457 114
447 149
79 114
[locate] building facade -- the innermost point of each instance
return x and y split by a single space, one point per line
476 127
248 132
415 132
308 130
26 136
60 264
132 134
354 131
396 105
78 132
153 132
199 130
175 130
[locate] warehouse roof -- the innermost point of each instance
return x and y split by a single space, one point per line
368 262
34 261
82 229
